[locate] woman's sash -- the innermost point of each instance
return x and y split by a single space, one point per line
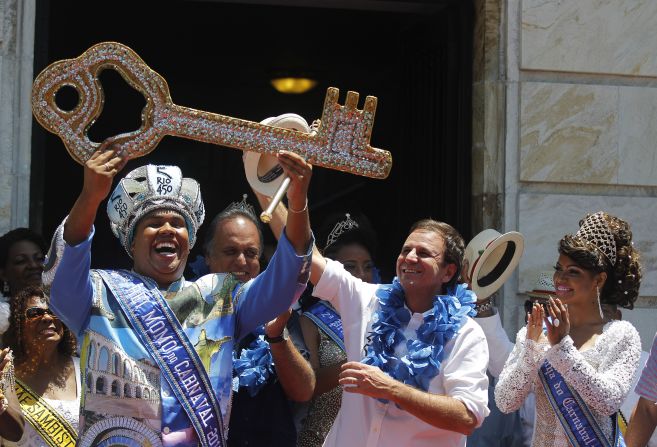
46 421
327 320
162 335
579 424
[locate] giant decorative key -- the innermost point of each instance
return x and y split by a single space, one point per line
341 142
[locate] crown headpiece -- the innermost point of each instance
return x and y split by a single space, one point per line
595 230
149 188
243 207
340 228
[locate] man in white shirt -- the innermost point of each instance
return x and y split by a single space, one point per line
417 330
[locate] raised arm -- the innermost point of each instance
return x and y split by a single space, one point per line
281 284
277 223
69 260
499 345
297 228
99 171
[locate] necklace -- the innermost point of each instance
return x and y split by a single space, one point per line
424 355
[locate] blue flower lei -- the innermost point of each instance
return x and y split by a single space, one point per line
425 354
254 366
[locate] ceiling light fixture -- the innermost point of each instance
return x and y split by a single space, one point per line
291 85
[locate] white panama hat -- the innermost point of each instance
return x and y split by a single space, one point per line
263 172
490 258
543 287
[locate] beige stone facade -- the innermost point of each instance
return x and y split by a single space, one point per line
564 99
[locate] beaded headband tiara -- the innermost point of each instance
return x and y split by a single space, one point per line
340 228
595 230
243 207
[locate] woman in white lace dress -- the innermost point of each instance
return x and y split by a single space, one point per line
45 367
595 356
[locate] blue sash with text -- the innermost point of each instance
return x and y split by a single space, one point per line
160 332
579 424
328 320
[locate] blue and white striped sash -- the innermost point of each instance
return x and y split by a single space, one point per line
327 320
579 424
161 334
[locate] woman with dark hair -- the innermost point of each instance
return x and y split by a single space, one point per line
582 364
352 243
21 264
47 373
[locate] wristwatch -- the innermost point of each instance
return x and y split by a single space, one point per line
283 337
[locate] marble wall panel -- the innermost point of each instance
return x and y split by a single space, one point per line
591 134
644 320
545 218
568 133
637 139
590 36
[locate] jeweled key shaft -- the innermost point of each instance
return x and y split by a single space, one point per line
341 142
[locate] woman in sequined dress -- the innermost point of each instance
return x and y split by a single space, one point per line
44 361
596 357
351 242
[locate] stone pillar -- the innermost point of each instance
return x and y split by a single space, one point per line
16 72
487 118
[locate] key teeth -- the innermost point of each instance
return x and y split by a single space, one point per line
370 104
332 95
351 102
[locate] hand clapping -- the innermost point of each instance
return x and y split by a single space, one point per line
559 327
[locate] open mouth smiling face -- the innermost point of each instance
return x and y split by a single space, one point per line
161 246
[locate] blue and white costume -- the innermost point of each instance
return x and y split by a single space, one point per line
125 397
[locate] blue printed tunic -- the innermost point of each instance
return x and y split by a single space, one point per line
124 398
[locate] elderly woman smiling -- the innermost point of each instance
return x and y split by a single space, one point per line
46 371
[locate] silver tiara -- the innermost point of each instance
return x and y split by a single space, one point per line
595 230
242 206
341 227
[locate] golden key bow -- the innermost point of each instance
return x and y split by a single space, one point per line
341 141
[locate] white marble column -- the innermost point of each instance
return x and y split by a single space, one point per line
16 72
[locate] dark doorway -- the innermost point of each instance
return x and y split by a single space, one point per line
219 56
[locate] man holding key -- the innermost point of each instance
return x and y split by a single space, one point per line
416 362
156 349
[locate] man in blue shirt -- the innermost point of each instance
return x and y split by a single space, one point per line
155 349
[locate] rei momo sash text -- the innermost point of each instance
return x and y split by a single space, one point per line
46 421
162 336
327 320
579 424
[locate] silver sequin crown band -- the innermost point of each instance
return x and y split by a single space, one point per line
340 228
595 230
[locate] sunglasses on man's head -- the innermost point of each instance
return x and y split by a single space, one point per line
38 312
